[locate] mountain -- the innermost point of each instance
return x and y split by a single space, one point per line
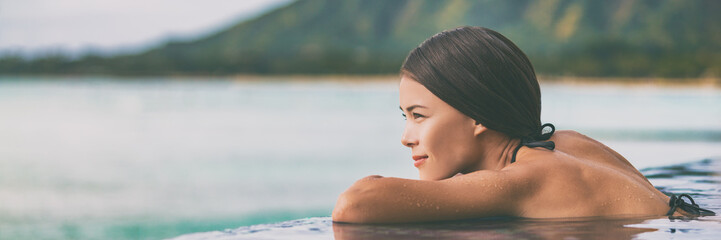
663 38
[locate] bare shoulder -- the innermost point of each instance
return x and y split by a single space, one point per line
584 177
571 137
569 132
590 150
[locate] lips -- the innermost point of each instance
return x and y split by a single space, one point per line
419 160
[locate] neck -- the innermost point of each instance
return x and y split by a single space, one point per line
497 151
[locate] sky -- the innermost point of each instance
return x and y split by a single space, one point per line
74 26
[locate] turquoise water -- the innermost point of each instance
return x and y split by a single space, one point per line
94 158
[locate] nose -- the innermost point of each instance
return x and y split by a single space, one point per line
408 139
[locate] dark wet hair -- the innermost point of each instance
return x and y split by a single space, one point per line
482 74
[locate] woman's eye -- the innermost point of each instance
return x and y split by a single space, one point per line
415 116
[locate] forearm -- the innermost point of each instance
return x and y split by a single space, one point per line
375 199
387 200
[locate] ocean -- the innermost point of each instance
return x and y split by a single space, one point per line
150 158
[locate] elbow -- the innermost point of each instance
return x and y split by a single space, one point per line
355 204
345 211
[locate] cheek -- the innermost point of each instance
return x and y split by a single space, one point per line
449 144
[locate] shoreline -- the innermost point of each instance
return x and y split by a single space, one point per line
705 82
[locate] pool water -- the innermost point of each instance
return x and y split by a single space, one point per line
154 158
699 179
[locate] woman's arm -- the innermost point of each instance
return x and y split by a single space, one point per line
376 199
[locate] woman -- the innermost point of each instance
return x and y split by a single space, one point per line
473 109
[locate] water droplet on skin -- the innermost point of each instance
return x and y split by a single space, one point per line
438 207
418 204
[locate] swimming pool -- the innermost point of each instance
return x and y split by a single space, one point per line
699 179
104 158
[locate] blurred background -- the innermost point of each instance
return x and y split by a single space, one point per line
152 119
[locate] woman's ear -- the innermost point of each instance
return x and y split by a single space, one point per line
479 128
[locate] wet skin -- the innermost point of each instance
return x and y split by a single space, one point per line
580 178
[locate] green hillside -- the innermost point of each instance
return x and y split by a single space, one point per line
666 38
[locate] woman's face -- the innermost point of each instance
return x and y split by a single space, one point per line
442 139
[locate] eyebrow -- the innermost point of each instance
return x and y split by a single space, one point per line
412 107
